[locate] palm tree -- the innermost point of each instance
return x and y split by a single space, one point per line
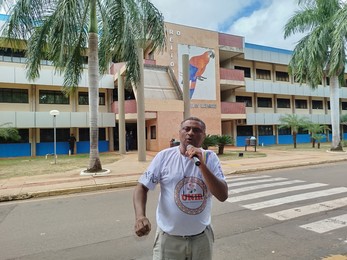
318 138
9 133
318 55
294 122
210 140
316 130
222 140
60 31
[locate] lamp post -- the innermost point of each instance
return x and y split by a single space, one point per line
54 113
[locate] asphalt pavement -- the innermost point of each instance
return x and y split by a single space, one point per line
126 171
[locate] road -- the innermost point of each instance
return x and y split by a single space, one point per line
293 214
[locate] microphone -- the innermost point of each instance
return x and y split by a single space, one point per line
195 157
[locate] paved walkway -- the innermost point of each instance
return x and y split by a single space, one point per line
125 173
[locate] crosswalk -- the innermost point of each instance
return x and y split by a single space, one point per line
266 193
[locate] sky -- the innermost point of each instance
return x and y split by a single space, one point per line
259 21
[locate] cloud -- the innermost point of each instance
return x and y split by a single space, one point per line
265 26
259 21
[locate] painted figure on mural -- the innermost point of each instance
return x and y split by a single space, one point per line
197 66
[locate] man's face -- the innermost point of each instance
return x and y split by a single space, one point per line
192 132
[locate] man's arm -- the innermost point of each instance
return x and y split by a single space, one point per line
142 224
217 187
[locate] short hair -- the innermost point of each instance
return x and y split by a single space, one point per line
202 123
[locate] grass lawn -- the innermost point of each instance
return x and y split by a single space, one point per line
27 166
300 147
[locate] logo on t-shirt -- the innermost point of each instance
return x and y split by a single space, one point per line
191 195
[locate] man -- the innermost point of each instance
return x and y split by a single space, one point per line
72 140
188 177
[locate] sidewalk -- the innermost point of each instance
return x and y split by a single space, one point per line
125 173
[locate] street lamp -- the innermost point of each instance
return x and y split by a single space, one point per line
54 113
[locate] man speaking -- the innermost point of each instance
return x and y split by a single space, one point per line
188 176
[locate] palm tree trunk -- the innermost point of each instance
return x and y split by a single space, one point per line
221 149
93 78
294 139
335 114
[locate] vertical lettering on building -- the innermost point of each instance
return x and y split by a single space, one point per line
172 35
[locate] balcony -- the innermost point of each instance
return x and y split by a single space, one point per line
233 110
129 107
230 46
231 78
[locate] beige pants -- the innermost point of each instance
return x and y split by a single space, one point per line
167 247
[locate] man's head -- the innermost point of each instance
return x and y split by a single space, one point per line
192 131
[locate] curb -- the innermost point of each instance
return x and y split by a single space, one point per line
66 191
116 185
268 168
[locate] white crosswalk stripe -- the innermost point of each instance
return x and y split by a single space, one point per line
276 191
295 198
242 178
279 186
242 183
262 186
327 225
309 209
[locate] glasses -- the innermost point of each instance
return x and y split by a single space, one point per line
195 130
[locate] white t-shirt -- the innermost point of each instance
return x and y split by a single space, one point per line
184 206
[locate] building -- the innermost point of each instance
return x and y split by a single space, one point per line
237 88
242 90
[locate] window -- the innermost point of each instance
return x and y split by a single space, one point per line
317 104
265 130
83 134
12 55
47 135
282 76
244 99
83 98
296 80
263 74
13 95
153 132
344 105
247 71
102 134
246 130
301 103
24 137
53 97
283 103
102 100
302 131
284 131
328 105
264 102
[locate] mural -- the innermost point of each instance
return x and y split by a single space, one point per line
202 76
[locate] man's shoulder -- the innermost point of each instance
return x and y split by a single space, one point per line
167 152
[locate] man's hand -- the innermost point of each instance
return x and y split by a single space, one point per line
142 226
